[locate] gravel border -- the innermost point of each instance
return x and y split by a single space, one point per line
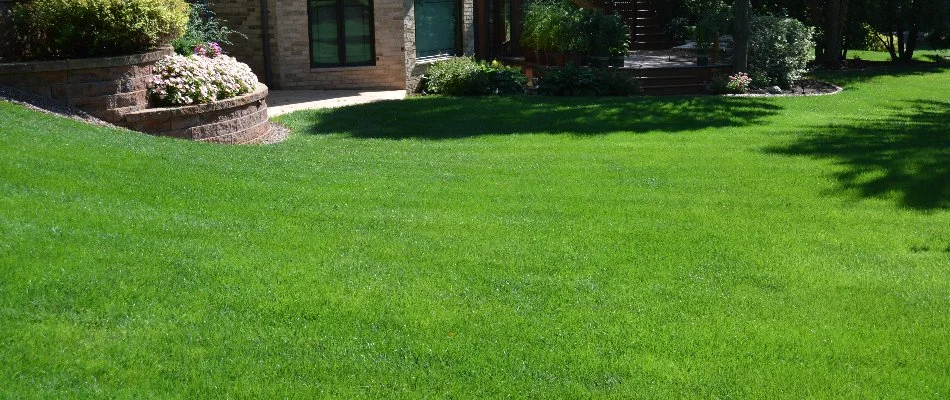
278 133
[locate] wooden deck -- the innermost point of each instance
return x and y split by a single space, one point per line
661 72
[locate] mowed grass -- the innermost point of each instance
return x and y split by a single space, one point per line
523 247
925 55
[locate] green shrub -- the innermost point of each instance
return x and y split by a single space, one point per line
863 37
97 28
559 26
548 25
779 50
572 80
203 27
463 76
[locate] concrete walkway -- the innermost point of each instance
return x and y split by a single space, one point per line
286 101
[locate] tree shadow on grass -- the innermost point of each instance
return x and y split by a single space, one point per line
439 118
904 155
849 77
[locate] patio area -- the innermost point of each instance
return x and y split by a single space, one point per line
281 102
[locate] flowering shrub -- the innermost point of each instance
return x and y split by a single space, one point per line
734 84
738 83
209 49
181 80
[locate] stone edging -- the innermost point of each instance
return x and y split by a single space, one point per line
838 89
82 63
238 120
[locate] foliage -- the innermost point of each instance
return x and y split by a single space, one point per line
203 27
559 26
680 28
899 22
617 35
939 38
699 20
547 25
97 28
195 79
572 80
464 76
779 50
861 36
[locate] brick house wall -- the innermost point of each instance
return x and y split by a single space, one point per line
293 56
245 16
394 23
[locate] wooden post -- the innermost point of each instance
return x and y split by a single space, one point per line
516 28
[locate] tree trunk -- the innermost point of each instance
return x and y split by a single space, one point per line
834 26
916 13
908 55
841 29
890 46
741 36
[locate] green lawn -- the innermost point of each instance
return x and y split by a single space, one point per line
528 247
919 55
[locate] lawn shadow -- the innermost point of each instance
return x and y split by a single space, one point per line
850 77
904 155
438 118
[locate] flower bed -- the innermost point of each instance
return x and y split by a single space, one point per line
238 120
106 88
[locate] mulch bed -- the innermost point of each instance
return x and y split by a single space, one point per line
802 87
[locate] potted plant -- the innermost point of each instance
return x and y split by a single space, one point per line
619 40
578 42
705 34
560 19
529 29
545 32
598 34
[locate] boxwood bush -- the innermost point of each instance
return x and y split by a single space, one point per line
463 76
50 29
779 49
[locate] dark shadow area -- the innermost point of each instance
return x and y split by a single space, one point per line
907 155
438 118
848 77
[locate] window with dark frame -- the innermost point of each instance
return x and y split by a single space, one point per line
438 31
341 33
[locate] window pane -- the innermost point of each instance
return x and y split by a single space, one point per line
323 31
357 20
435 27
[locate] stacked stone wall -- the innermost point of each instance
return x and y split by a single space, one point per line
106 88
115 89
239 120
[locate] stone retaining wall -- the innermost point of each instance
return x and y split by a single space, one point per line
114 89
239 120
107 88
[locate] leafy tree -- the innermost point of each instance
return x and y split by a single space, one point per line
899 23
